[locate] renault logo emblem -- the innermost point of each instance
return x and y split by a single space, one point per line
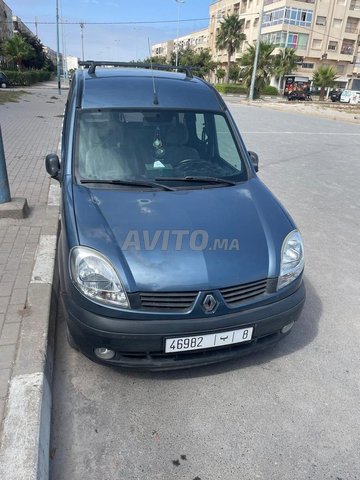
209 303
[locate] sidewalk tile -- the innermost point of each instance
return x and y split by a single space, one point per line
7 356
9 334
4 379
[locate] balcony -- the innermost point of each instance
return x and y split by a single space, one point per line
347 47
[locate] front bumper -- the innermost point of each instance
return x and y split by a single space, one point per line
140 343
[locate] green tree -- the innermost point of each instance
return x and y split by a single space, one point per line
264 69
230 38
200 60
285 62
38 58
16 50
324 77
234 73
220 74
159 59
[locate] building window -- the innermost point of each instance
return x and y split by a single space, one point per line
347 47
340 68
256 21
352 25
290 16
316 44
284 39
302 41
320 20
337 22
333 46
292 40
276 38
355 5
307 65
247 24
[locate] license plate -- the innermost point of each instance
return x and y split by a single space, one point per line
213 340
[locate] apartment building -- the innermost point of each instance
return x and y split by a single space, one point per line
20 27
323 32
196 40
163 49
6 26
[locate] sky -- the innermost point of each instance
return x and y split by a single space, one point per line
111 42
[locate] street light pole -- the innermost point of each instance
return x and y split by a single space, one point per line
82 40
58 47
257 50
179 2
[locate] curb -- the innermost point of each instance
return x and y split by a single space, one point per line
24 453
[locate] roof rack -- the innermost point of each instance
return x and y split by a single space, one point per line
91 65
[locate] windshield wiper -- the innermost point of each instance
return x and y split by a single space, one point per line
130 183
197 179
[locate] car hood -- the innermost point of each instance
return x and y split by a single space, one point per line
191 239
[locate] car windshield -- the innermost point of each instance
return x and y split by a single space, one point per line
172 147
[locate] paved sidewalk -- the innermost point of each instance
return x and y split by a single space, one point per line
31 129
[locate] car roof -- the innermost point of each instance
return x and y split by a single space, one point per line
134 88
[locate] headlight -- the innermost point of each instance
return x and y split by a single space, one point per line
292 259
96 278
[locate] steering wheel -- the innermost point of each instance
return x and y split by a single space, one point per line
186 161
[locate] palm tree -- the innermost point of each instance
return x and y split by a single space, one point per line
323 77
16 50
230 38
264 69
285 62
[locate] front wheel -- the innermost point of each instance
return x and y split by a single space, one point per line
3 85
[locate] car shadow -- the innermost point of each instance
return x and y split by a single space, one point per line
303 333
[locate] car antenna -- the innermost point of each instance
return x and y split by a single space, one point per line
156 100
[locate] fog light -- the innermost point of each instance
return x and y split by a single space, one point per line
104 353
287 327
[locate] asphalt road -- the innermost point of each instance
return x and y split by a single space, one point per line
289 413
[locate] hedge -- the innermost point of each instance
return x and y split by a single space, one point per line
269 90
230 88
28 77
242 89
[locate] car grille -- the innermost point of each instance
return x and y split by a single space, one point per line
183 301
168 301
239 293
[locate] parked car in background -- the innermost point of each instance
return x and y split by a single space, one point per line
172 252
335 95
4 81
350 96
297 95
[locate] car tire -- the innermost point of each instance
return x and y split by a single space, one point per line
3 85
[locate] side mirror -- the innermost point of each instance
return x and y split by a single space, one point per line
52 164
254 160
